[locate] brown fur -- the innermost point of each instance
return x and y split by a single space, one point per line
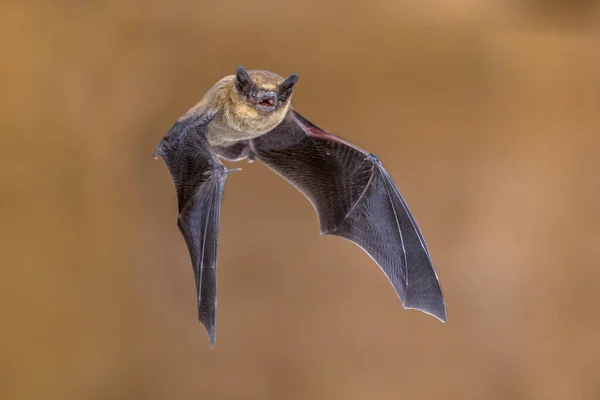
236 119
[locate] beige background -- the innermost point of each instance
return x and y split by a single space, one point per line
486 113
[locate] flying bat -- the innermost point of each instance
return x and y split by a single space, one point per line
249 115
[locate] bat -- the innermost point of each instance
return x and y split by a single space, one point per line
249 115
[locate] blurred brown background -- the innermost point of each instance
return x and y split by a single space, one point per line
486 113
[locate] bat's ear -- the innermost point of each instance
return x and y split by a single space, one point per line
243 82
285 89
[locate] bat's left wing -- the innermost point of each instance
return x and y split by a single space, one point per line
356 199
199 179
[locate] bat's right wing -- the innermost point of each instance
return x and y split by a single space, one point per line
356 199
199 179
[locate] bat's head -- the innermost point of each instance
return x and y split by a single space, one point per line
263 90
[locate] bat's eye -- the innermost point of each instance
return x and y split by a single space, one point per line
253 94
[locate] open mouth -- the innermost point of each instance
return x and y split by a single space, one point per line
267 103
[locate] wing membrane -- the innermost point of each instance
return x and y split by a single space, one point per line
356 199
199 179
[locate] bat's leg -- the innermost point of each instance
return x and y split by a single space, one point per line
251 156
235 152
